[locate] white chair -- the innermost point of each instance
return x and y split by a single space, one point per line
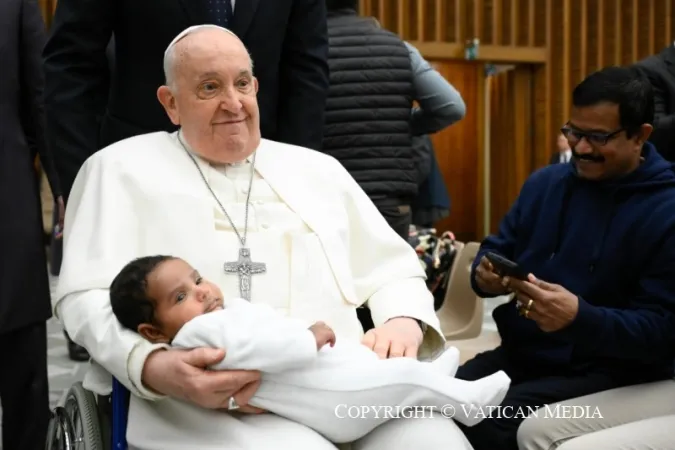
461 314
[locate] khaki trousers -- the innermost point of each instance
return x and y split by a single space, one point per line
640 417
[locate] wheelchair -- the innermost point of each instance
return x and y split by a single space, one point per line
85 421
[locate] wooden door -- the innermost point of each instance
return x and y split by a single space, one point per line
457 149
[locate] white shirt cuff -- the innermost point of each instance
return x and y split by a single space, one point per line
135 364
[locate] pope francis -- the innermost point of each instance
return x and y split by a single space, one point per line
269 222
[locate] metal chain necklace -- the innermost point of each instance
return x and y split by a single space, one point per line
243 267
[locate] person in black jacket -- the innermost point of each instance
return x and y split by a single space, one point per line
25 304
660 69
286 38
370 121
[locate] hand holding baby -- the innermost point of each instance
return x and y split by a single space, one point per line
323 334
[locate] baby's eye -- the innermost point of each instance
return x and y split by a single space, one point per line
180 297
199 280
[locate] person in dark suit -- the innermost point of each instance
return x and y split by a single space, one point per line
25 304
660 69
287 40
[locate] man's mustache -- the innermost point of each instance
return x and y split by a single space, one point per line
587 157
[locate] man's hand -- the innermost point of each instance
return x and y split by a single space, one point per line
323 334
550 305
400 336
61 212
487 279
182 374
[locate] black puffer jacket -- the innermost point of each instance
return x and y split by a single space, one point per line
368 107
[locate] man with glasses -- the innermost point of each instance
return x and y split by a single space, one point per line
595 244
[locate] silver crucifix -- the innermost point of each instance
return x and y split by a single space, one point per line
244 267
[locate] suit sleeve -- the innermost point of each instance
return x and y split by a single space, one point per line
304 76
76 82
32 85
253 337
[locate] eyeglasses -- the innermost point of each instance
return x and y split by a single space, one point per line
593 138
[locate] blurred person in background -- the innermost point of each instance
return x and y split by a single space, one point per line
286 39
25 304
660 70
563 153
370 121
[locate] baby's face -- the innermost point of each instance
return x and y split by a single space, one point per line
180 295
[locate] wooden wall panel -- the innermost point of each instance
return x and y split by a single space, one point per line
512 155
557 42
457 150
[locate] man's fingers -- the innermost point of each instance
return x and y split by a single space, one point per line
248 409
369 339
542 284
530 290
204 356
382 348
247 392
411 351
396 350
233 382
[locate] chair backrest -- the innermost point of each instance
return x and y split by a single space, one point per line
461 314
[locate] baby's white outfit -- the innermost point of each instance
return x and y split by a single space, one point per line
342 392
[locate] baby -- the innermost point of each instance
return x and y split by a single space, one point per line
306 376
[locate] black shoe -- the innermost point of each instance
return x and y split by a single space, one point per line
77 352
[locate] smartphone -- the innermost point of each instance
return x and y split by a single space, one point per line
505 267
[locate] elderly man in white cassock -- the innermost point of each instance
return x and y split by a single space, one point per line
218 195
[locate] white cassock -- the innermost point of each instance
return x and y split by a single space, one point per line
343 392
327 251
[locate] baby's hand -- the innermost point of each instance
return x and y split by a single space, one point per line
323 334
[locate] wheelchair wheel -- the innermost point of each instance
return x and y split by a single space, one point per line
75 425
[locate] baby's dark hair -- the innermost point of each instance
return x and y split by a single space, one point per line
129 298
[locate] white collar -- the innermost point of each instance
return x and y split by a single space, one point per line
181 138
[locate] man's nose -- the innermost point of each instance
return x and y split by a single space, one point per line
583 147
230 101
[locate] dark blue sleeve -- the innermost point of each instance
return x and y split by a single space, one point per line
502 243
645 331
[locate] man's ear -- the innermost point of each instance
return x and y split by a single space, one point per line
168 101
255 84
152 334
645 131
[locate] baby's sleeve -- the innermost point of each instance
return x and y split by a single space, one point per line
253 339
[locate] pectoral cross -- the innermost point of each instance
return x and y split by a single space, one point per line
244 267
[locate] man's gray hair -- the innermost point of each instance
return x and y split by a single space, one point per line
170 52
